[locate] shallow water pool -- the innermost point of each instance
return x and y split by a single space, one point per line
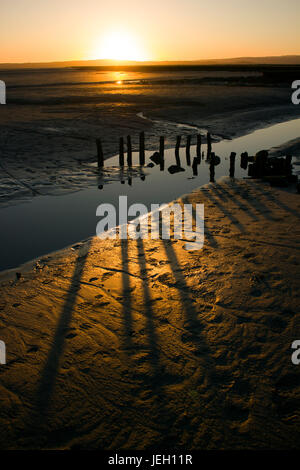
48 223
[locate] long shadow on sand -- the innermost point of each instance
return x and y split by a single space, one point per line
226 212
240 192
159 377
127 300
51 367
193 325
272 198
225 194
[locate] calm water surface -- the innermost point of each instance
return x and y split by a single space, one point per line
49 223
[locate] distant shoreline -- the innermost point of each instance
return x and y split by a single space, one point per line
285 60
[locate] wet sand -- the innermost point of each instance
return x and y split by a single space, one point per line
48 135
142 344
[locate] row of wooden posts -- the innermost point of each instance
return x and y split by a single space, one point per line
100 154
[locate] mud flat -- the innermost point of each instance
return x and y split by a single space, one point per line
49 126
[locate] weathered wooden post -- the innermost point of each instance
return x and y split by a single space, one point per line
188 150
199 147
162 153
232 164
208 145
260 161
121 152
142 148
99 153
178 140
244 160
212 167
162 147
195 166
129 151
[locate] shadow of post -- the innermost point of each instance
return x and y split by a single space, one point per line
223 209
193 324
51 367
159 378
126 296
148 309
223 193
257 205
208 233
272 198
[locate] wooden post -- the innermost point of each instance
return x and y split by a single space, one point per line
199 146
162 147
260 162
99 153
129 151
142 148
208 145
288 164
212 167
162 153
232 164
244 160
188 150
195 166
178 140
121 152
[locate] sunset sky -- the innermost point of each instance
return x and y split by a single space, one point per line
53 30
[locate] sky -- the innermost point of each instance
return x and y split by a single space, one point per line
55 30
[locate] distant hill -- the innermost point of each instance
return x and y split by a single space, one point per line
272 60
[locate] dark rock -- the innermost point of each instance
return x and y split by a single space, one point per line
216 160
155 158
175 169
261 154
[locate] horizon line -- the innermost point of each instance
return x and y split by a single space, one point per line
149 61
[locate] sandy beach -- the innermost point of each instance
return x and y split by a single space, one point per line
144 345
141 344
150 232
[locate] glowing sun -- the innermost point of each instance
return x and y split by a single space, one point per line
119 46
